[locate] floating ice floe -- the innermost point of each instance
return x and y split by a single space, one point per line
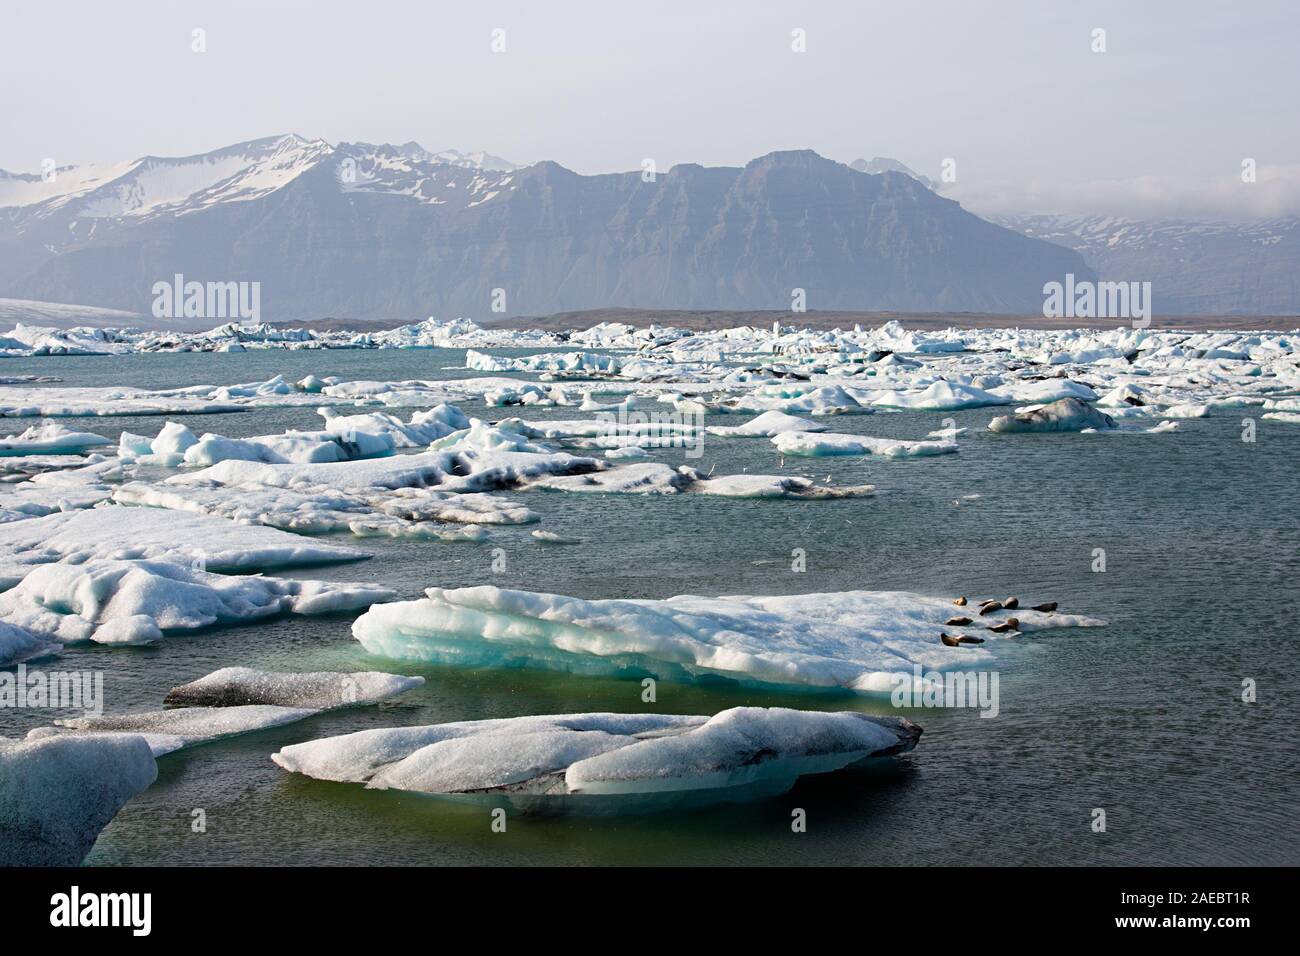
424 427
766 426
29 500
797 398
657 478
551 537
67 402
316 690
1291 418
940 397
606 763
56 795
117 532
166 731
829 443
855 640
19 644
396 512
234 701
1064 415
175 445
50 439
134 602
457 466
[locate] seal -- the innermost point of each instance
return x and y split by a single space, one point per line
960 602
988 607
957 622
949 641
1047 608
1011 603
1010 624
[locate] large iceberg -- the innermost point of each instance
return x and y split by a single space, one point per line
854 640
598 763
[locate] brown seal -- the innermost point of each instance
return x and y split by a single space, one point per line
950 641
1010 624
957 622
960 602
1011 603
988 607
967 639
1047 608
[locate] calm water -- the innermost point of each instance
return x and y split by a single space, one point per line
1142 718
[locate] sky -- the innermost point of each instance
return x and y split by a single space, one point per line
1012 97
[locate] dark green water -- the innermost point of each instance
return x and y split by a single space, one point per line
1142 718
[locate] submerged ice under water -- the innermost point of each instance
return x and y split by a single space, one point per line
1143 718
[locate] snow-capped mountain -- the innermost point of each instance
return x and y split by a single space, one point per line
384 231
1207 268
884 164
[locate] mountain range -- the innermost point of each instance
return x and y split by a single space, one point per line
378 232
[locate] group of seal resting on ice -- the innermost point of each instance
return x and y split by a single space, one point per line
1011 624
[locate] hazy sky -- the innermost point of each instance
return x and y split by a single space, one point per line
1012 91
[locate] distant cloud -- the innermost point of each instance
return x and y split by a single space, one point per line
1275 193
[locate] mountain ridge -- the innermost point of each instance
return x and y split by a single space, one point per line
381 230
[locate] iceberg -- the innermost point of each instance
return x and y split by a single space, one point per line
135 602
18 644
166 731
766 426
940 397
1065 415
606 763
851 641
424 427
805 444
50 439
316 690
119 532
57 794
657 478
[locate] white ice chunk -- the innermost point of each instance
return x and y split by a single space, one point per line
802 443
317 690
940 397
595 763
133 602
767 425
56 795
167 731
50 439
854 640
18 644
1065 415
122 532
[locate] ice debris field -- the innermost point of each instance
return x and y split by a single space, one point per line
139 538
